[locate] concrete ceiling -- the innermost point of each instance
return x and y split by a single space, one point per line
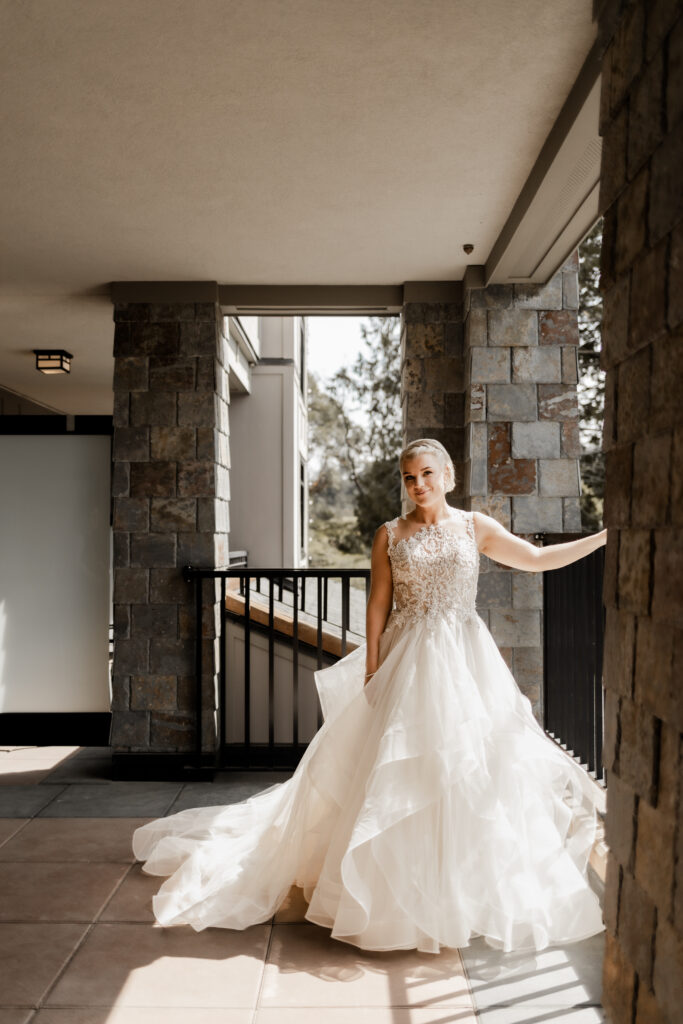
260 142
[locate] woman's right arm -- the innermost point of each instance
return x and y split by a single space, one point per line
380 600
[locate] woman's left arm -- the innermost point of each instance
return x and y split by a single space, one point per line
494 541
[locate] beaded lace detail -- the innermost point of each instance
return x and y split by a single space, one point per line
435 571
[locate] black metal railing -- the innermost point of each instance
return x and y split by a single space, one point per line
573 631
303 594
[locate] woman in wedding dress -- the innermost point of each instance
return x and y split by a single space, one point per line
430 807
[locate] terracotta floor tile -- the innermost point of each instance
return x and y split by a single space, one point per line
9 827
141 1015
32 955
365 1015
56 892
132 901
136 965
74 839
308 968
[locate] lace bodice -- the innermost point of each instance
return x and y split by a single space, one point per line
435 571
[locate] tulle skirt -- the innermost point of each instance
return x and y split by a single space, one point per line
429 808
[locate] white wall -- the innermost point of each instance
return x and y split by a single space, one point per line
54 572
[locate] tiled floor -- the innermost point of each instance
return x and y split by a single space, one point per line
79 944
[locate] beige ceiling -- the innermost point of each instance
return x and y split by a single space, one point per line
259 142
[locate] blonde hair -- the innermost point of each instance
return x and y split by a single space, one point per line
421 446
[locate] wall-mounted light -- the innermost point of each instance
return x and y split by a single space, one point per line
55 360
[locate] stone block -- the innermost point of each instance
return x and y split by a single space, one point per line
666 195
644 115
171 732
173 514
570 290
494 590
667 596
631 235
635 554
571 511
615 305
197 479
124 347
155 339
175 444
152 480
121 412
535 440
674 73
650 493
505 474
153 693
152 620
172 312
209 311
130 656
454 409
610 743
120 480
425 340
153 408
131 373
121 621
667 374
131 515
627 54
477 441
131 312
677 477
618 978
654 869
527 589
490 365
196 549
454 340
527 668
613 177
618 474
557 402
675 310
667 974
171 656
570 365
168 586
121 549
638 749
619 651
540 364
508 327
130 585
120 693
131 444
196 409
150 550
424 407
636 926
476 328
531 514
210 376
570 439
558 327
612 885
516 627
173 377
495 505
443 374
475 407
130 729
495 296
539 296
511 402
620 820
198 338
558 477
647 319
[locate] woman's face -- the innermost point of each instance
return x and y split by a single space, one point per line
423 477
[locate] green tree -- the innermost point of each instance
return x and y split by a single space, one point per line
591 384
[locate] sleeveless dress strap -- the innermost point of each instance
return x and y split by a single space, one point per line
391 528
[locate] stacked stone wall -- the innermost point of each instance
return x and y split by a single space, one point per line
170 493
642 284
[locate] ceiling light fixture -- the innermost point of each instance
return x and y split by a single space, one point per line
53 360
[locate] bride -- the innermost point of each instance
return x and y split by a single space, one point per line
430 807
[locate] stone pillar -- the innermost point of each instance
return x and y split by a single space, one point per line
170 491
432 379
522 443
642 354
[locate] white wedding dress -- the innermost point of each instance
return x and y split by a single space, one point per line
428 809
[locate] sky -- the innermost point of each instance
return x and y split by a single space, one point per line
333 342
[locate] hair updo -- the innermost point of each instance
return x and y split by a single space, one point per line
424 445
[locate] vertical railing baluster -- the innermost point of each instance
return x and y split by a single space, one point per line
319 643
222 689
345 612
247 671
295 666
271 671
